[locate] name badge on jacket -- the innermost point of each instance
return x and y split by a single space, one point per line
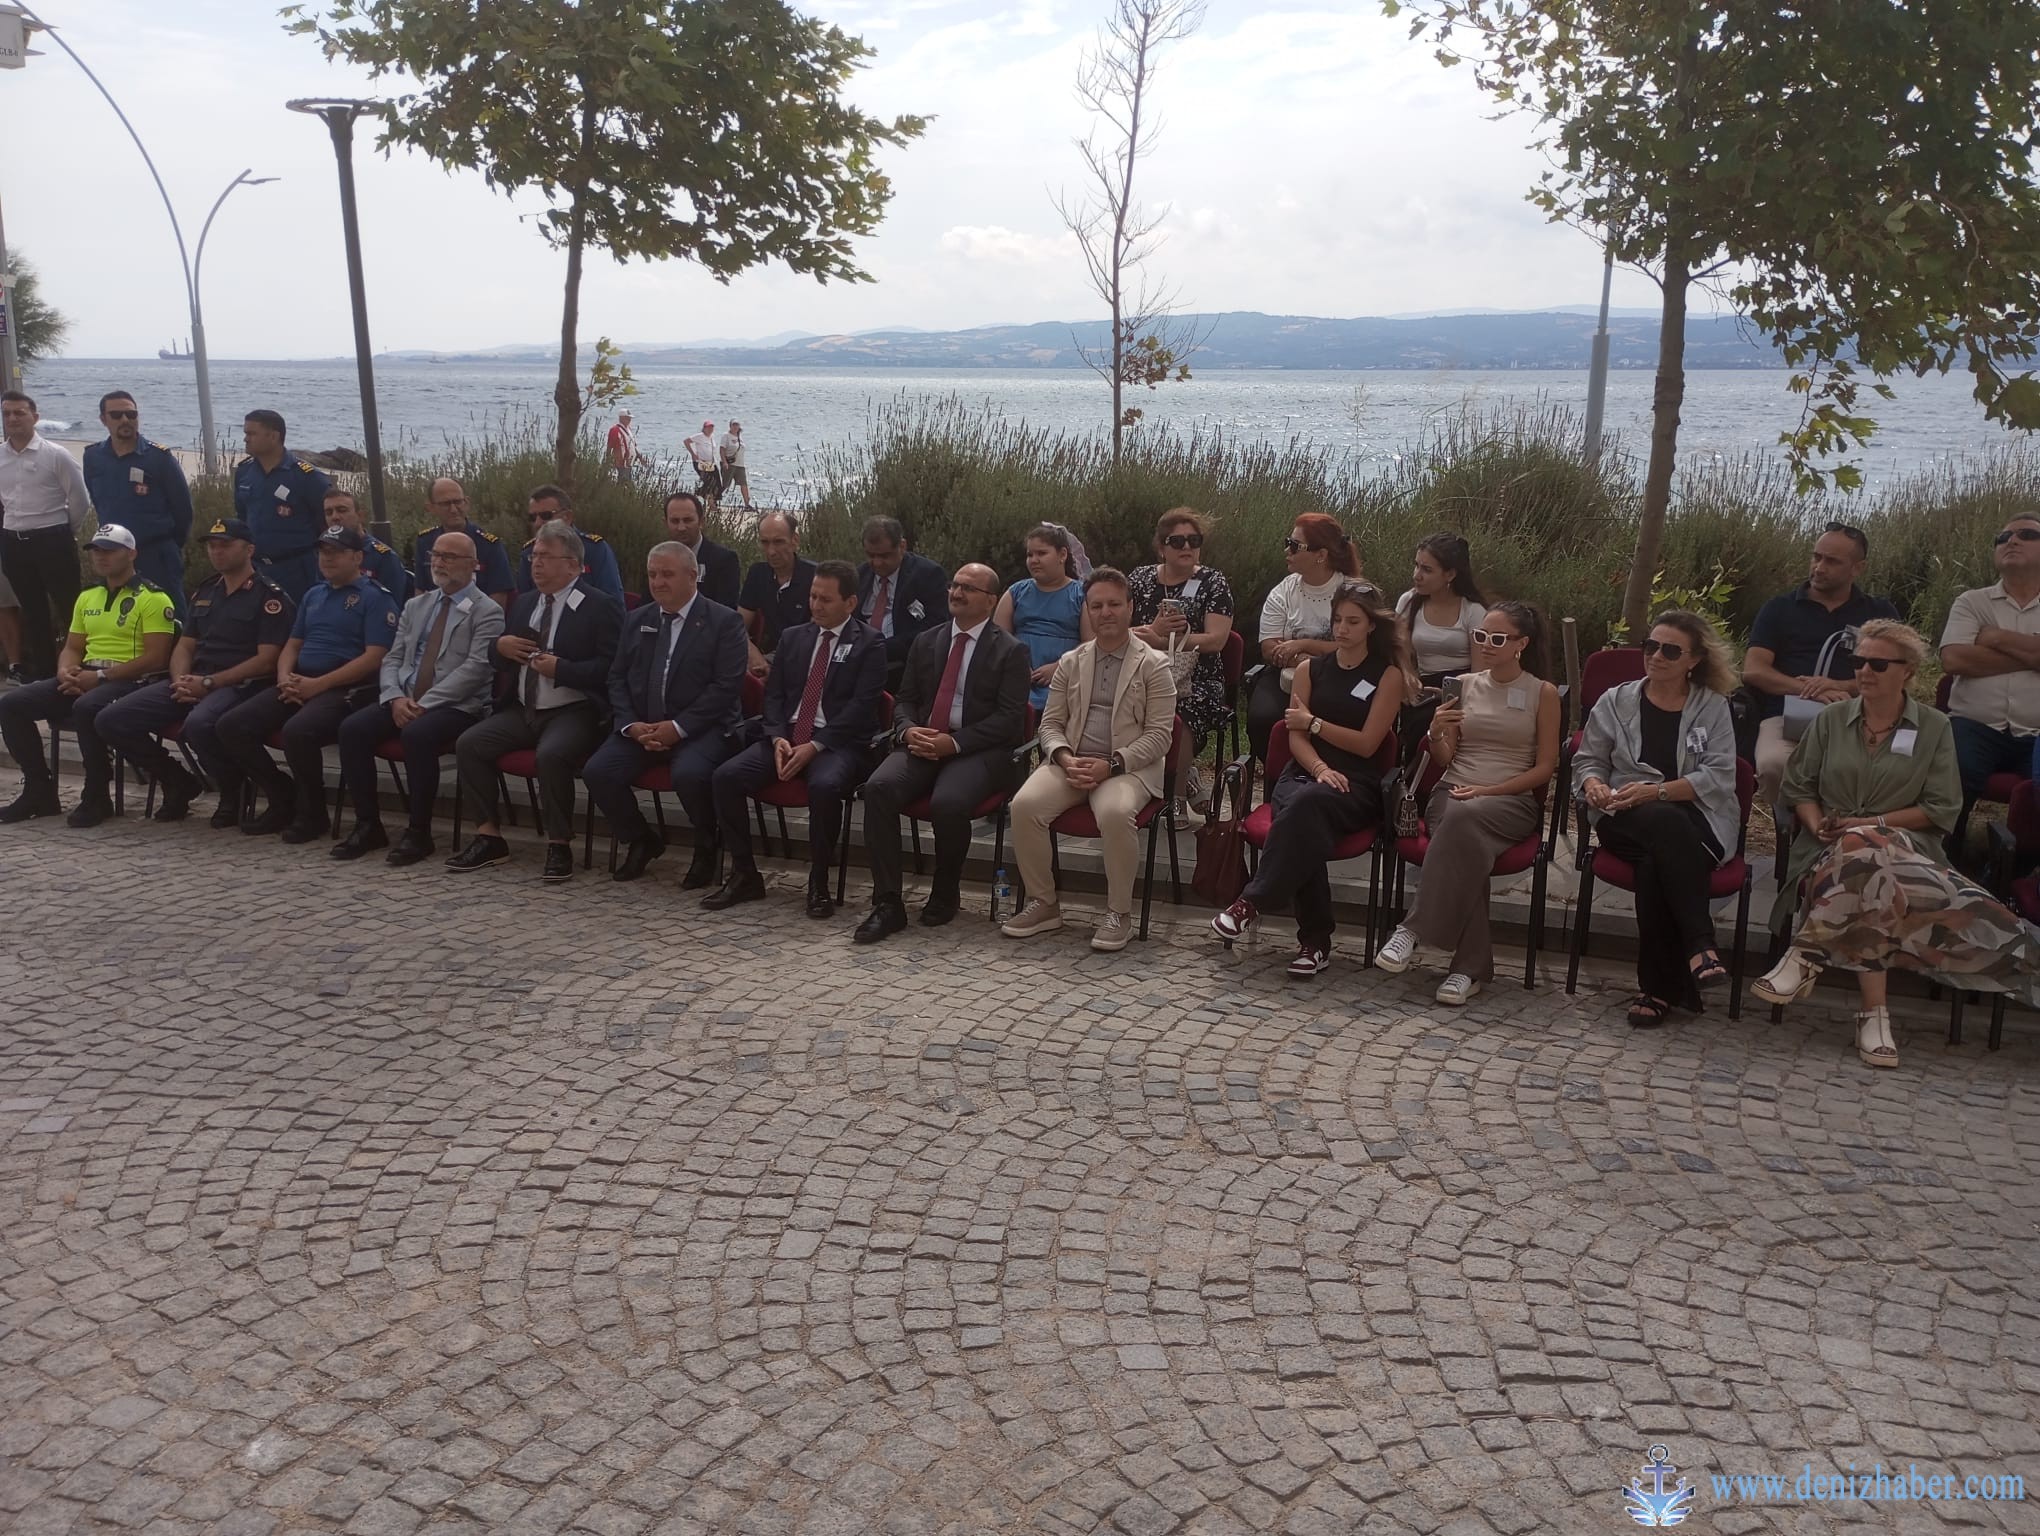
574 598
842 652
1363 690
1519 698
1903 742
1192 587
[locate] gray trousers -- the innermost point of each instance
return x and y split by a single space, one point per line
562 738
1467 836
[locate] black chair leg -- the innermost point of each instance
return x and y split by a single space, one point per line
1536 926
1175 869
785 838
1739 961
998 854
1147 883
1583 913
1997 1021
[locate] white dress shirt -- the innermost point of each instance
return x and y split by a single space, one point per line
42 486
672 645
955 721
551 694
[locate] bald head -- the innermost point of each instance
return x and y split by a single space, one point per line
449 503
453 561
973 594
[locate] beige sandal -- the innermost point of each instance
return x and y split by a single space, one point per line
1874 1042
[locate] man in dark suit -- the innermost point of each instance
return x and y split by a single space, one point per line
899 593
821 711
722 574
552 672
960 712
675 696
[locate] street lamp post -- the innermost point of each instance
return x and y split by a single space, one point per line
339 115
207 447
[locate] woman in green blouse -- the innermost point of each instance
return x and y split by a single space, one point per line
1874 789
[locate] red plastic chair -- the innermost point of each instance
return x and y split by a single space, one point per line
1730 879
1604 670
1257 825
523 764
1078 821
1232 666
994 805
1532 853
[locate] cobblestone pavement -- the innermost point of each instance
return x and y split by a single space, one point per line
583 1211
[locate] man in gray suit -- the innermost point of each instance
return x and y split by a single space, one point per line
435 683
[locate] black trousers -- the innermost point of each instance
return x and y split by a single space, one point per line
955 786
830 778
561 739
1266 706
425 740
130 727
307 730
616 764
1673 855
22 708
1309 819
42 567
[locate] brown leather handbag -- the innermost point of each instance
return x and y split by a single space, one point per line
1221 872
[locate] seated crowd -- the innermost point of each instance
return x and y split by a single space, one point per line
1080 699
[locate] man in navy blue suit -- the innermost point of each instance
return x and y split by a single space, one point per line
821 713
675 697
899 593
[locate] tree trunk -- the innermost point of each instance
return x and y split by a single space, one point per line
1666 399
567 389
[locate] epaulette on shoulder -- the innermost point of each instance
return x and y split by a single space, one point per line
263 581
526 545
589 538
427 531
305 465
378 546
490 537
160 447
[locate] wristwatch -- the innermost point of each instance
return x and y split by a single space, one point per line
1664 791
1316 725
207 683
1118 765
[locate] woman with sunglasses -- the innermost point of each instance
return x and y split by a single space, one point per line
1183 598
1343 715
1498 746
1044 610
1443 608
1656 768
1296 620
1874 789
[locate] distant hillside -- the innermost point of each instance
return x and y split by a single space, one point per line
1244 339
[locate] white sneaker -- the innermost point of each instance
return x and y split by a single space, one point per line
1114 932
1040 915
1394 956
1874 1042
1457 989
1789 980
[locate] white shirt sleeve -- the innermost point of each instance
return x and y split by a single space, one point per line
1966 618
1275 611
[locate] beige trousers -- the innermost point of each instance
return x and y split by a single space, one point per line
1045 796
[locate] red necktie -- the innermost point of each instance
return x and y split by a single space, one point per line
811 695
878 604
945 695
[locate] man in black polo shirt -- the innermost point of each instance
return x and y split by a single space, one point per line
1786 642
236 628
775 595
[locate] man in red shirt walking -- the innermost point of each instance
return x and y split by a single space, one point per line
623 450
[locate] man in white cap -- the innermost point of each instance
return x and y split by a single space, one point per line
123 628
624 457
701 448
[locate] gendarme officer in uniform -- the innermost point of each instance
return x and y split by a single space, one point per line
492 564
122 629
239 622
140 485
283 500
549 503
380 562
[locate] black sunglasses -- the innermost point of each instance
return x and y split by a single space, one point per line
1671 650
2005 536
1878 664
1196 540
1294 546
132 415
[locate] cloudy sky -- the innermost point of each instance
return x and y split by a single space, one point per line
1313 161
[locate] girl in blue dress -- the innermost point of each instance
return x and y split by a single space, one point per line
1045 608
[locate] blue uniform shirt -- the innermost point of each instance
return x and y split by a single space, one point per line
285 508
598 559
492 565
337 624
385 567
145 492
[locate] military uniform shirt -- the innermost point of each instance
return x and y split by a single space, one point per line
598 564
231 625
337 624
285 507
114 620
145 492
492 565
385 567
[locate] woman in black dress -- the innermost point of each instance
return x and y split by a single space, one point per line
1183 596
1342 712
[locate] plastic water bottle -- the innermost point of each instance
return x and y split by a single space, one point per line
1002 895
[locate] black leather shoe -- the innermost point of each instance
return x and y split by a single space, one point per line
90 812
700 870
227 814
480 853
366 837
175 791
559 863
305 831
939 908
413 847
742 885
272 821
30 805
888 917
642 851
819 902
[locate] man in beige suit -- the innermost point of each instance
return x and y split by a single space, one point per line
1104 739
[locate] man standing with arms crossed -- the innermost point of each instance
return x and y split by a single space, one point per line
283 500
46 507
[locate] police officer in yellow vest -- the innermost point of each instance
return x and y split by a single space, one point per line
122 632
